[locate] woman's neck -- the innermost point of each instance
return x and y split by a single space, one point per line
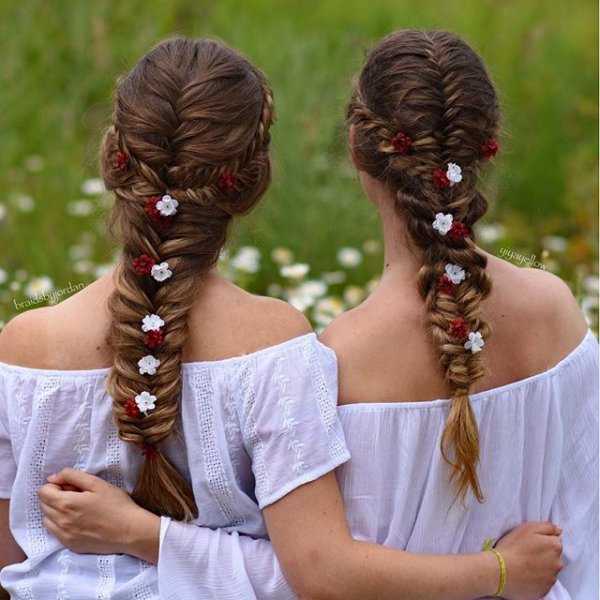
401 258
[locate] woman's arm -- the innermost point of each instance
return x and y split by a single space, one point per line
309 533
10 551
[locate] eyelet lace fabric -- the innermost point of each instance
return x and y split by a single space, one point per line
252 429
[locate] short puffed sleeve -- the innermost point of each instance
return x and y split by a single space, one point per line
8 466
288 416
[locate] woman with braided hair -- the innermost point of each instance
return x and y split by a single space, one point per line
214 408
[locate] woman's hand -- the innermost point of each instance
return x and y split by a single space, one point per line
89 515
532 553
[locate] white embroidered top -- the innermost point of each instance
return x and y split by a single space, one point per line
255 428
539 460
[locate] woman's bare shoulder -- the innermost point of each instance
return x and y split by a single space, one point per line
229 321
69 335
538 305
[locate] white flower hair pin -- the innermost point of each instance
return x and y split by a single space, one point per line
167 206
152 323
145 402
455 273
445 179
450 279
445 224
475 342
161 272
148 365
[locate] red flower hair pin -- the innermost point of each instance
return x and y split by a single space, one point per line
143 264
122 160
458 328
490 148
131 409
226 183
453 276
444 179
401 143
161 210
445 224
149 452
152 326
458 231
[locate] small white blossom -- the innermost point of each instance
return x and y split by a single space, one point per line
454 173
313 288
555 243
145 402
151 323
282 256
455 273
490 233
148 364
102 270
247 259
80 208
353 295
161 272
475 342
295 271
93 187
334 277
167 206
349 257
372 247
443 223
24 202
34 163
39 286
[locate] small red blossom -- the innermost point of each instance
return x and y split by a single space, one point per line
227 183
131 409
489 148
143 264
458 328
150 452
122 160
154 338
446 285
440 179
160 221
401 143
458 231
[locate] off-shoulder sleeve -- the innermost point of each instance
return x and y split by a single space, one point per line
198 562
8 466
288 417
575 506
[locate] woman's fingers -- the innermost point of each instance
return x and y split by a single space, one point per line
77 479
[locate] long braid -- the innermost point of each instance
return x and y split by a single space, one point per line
189 114
434 89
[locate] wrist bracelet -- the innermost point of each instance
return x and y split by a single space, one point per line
488 547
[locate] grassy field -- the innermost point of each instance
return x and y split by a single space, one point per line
61 59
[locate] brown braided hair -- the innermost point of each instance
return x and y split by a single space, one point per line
190 120
433 88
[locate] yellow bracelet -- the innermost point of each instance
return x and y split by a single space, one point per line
488 547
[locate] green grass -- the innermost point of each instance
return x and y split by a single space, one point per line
61 58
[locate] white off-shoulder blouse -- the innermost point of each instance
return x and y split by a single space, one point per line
539 460
255 428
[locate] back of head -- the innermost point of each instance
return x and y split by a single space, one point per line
188 149
425 116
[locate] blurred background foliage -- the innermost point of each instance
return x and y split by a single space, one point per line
61 59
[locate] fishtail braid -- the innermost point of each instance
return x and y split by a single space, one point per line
432 87
188 114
